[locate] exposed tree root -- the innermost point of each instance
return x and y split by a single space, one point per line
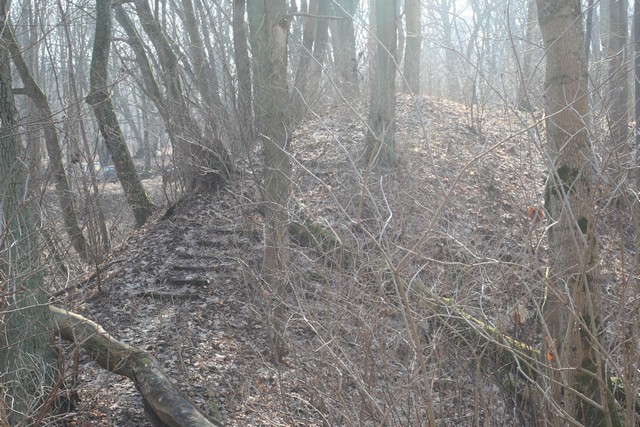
164 403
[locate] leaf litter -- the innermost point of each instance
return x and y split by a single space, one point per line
187 288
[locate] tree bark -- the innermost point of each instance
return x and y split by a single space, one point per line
319 45
164 403
100 99
344 46
63 189
94 206
312 55
269 30
382 104
243 70
204 161
210 103
522 97
308 38
636 73
588 32
150 86
452 78
27 361
573 312
618 79
413 47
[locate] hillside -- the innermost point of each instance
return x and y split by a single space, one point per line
458 216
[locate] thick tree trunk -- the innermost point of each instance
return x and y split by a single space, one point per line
573 312
243 70
344 46
269 31
27 361
382 105
164 404
412 54
99 98
63 190
618 80
588 32
636 74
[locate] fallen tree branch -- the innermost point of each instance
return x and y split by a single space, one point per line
165 405
502 356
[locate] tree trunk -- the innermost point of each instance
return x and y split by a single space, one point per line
319 45
522 97
243 71
618 79
269 30
382 104
164 404
211 105
314 46
308 38
344 46
573 312
588 32
96 219
150 85
413 47
63 190
27 370
636 73
205 163
452 78
215 58
99 98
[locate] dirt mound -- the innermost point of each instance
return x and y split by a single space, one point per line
455 216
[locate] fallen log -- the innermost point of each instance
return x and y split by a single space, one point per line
514 365
165 404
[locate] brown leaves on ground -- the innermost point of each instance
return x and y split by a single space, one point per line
187 288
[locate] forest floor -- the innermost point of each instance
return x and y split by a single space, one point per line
462 212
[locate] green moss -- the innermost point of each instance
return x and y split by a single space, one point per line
320 238
564 172
214 411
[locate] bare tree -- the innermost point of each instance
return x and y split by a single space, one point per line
308 39
27 372
52 144
412 54
344 46
522 95
382 97
203 158
269 32
100 99
315 40
206 78
452 78
573 313
243 70
618 77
